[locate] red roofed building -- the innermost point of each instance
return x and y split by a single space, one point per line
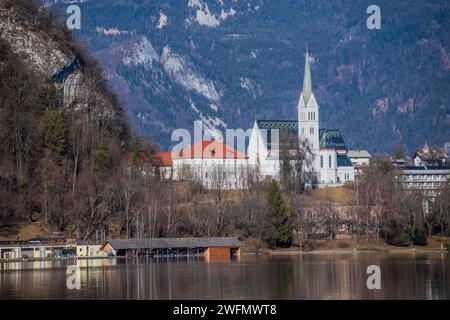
212 163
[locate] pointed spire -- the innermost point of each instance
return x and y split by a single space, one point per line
425 148
307 86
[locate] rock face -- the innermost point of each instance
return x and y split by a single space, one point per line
230 62
46 50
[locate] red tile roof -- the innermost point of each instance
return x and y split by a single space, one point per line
163 159
202 149
210 150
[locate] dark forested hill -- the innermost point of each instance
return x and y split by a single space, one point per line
63 135
228 62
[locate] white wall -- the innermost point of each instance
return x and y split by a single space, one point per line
328 174
213 173
346 174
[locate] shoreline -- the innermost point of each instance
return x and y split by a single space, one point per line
357 251
287 252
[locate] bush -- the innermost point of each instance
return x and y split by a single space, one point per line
419 238
401 240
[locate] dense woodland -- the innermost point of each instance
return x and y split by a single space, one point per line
70 171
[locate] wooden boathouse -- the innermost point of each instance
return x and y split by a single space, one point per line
167 247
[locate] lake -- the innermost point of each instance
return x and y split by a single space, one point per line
303 276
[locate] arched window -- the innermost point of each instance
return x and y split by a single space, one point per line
321 161
329 161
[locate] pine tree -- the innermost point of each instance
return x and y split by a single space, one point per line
285 172
399 150
54 131
280 232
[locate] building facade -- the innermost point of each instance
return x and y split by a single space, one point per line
429 180
213 164
359 159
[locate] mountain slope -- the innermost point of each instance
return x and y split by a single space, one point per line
49 52
229 62
63 135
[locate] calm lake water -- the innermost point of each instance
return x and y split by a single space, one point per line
308 276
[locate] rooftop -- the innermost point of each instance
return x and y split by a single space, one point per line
328 138
430 153
163 159
444 168
159 243
359 154
210 150
343 161
331 139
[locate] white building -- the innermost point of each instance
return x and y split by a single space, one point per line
213 164
427 156
426 179
328 156
359 158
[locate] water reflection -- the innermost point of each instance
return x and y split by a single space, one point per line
324 276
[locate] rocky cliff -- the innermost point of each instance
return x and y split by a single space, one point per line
37 40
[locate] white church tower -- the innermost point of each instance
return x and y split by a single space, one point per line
308 116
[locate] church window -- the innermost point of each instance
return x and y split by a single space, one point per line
311 130
329 161
321 161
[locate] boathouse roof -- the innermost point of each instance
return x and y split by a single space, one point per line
159 243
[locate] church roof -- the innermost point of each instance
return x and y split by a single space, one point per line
307 85
287 125
331 139
343 161
328 139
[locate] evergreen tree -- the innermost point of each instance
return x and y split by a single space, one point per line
48 97
279 234
399 150
285 172
54 131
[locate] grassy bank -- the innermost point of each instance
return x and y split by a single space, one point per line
435 243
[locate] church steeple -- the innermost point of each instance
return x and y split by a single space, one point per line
307 85
308 116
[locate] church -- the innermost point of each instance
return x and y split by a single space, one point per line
327 159
324 161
